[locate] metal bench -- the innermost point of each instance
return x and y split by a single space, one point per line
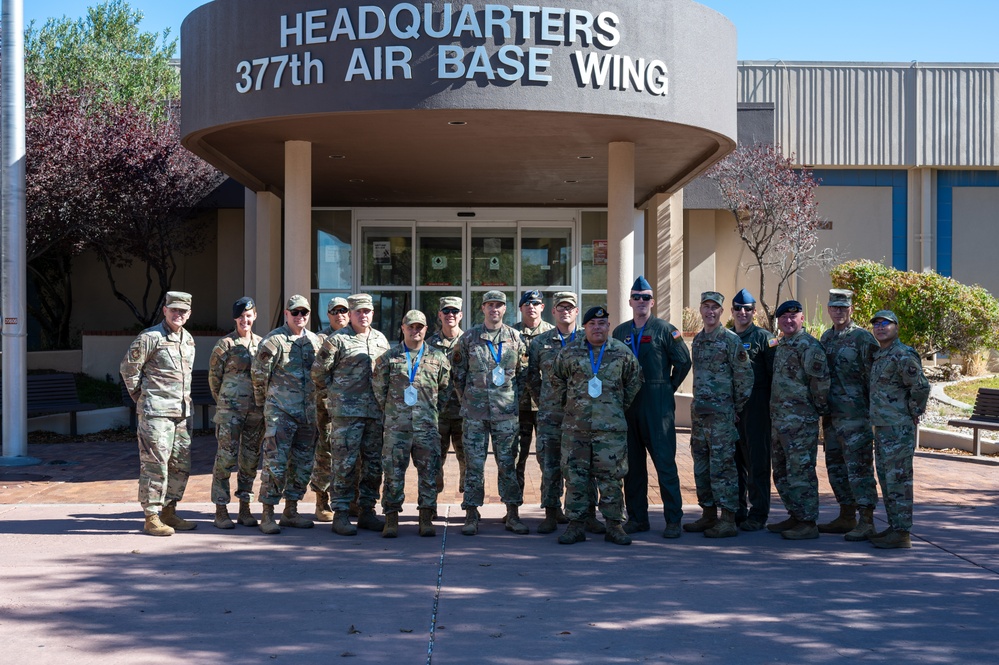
54 393
984 416
201 396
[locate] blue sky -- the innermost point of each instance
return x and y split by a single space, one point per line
860 30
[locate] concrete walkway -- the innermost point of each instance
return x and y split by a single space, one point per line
80 583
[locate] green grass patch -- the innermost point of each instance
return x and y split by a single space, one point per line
967 390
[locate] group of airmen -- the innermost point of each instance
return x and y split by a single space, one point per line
343 412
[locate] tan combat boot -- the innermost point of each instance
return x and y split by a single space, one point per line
865 526
783 525
574 533
724 527
615 533
804 530
290 516
471 526
894 539
246 517
391 528
592 524
427 522
367 519
709 515
169 517
342 525
267 523
844 523
323 511
550 522
513 522
154 527
222 519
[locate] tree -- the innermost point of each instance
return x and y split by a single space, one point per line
775 212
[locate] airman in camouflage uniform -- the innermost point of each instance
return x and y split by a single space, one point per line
449 423
239 422
412 384
322 466
593 380
899 392
488 368
723 380
849 441
283 387
343 366
532 305
156 372
799 397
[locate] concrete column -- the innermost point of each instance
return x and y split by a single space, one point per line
620 229
266 286
664 254
297 218
230 257
926 219
249 242
701 255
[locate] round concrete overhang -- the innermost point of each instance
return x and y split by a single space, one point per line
475 103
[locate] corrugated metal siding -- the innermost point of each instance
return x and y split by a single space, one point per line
855 114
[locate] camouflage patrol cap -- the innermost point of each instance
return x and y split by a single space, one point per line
242 305
885 314
360 301
297 302
840 298
565 296
450 301
177 300
414 316
494 296
336 302
713 296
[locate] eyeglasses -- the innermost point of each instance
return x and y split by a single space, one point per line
641 296
450 311
535 303
743 308
339 311
565 307
298 312
882 323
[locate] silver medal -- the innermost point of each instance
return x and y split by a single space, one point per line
409 396
595 387
499 376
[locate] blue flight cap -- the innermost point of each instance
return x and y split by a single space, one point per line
641 284
744 297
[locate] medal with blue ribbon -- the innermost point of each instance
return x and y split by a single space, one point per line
595 385
499 376
409 394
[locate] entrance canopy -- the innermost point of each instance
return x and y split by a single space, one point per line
475 103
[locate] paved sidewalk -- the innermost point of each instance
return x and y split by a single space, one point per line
80 583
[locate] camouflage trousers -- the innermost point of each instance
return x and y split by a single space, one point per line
794 450
397 449
525 433
475 437
288 449
164 461
713 438
239 436
850 461
550 452
597 459
450 436
357 453
322 464
894 448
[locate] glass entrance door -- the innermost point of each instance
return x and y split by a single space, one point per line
440 267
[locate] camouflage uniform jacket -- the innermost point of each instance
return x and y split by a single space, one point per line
156 371
432 382
343 368
723 376
540 358
620 374
280 373
850 353
472 365
529 400
899 389
445 346
801 379
229 374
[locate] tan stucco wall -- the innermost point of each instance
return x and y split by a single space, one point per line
976 227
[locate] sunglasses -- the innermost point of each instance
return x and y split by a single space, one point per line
882 323
641 296
533 302
565 307
450 310
340 310
298 312
743 308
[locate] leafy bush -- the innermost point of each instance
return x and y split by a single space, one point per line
936 314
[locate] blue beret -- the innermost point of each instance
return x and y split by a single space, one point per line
241 305
530 295
595 313
787 306
744 297
641 284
